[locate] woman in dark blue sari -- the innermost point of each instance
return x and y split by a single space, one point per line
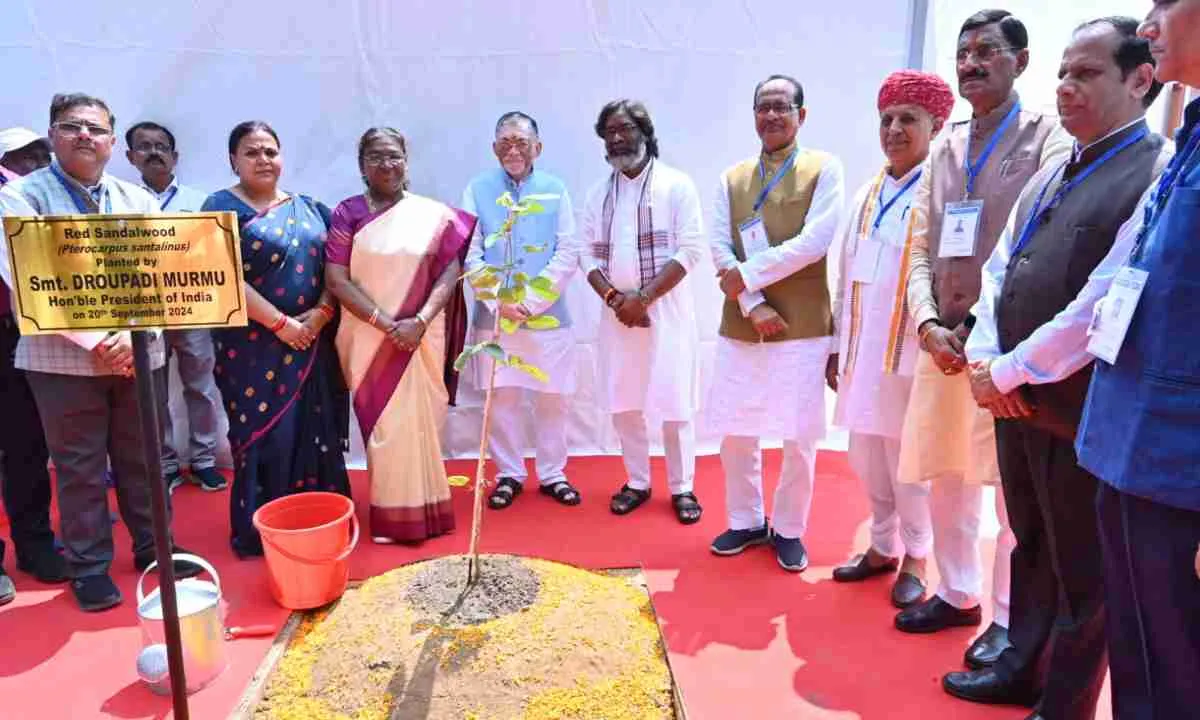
279 377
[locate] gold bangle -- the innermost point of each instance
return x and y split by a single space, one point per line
925 333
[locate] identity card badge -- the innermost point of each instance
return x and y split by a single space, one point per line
960 229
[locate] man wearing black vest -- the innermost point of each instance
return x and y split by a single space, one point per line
1034 377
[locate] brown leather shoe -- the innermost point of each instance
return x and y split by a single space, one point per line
860 568
908 590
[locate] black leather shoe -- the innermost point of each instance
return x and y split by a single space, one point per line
908 590
985 686
46 565
183 568
986 649
936 614
860 568
8 591
95 593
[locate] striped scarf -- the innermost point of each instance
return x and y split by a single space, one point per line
653 245
901 319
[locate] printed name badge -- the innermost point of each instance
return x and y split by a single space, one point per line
866 262
960 228
754 236
1113 314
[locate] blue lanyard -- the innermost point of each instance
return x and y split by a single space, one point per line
883 210
973 170
80 204
1035 214
170 196
770 185
1170 177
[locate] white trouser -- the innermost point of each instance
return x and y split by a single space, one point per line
956 508
896 508
679 448
742 461
506 436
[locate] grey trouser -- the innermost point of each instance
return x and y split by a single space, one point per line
194 352
86 419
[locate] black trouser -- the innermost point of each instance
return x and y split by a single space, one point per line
1057 617
25 481
1153 598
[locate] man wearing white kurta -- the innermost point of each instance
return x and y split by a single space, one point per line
872 369
773 220
543 245
642 233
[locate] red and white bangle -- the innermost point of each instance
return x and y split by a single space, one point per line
326 310
278 324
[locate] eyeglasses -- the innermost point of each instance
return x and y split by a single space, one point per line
148 147
72 129
777 108
625 130
504 146
380 160
982 53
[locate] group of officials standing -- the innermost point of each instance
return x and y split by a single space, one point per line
981 272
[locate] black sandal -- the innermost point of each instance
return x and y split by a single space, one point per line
687 508
562 491
628 500
505 492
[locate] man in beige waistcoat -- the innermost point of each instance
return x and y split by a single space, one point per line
973 176
774 217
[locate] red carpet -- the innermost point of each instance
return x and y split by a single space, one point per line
746 640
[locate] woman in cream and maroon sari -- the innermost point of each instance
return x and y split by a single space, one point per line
288 407
393 261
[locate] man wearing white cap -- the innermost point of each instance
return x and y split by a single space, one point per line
23 454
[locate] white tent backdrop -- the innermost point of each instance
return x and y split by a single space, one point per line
321 73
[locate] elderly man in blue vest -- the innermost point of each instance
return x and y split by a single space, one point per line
543 245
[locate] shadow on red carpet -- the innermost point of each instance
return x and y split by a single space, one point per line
746 639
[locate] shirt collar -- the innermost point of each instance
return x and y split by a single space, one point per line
1079 152
777 157
1191 116
900 181
94 191
174 185
985 124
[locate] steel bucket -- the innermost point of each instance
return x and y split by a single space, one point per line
201 622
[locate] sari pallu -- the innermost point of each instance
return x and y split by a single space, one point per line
288 409
401 397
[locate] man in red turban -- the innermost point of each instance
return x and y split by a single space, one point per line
871 369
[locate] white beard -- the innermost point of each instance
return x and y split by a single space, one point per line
621 163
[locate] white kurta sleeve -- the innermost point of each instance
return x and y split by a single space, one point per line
721 245
1058 349
475 251
565 260
687 224
589 229
812 244
984 341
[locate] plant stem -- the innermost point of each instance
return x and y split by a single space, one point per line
481 466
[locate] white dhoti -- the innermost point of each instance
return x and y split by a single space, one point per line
679 449
775 391
896 508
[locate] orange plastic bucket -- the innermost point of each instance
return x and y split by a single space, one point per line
306 539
